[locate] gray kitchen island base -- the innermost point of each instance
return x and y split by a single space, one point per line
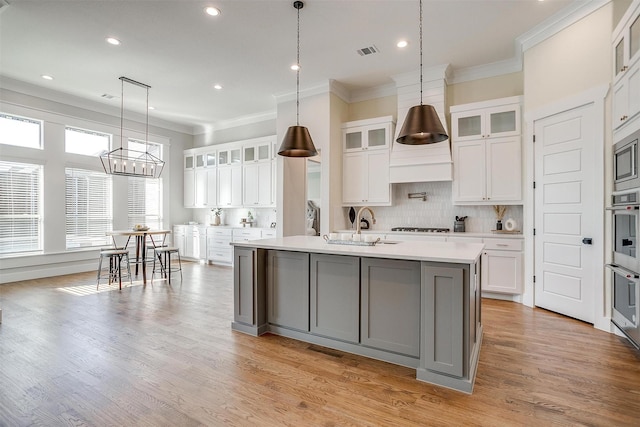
423 314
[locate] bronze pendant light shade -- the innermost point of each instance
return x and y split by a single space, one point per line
422 124
297 141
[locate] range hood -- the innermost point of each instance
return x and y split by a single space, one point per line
421 163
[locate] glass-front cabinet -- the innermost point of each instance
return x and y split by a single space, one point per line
229 156
493 122
626 73
367 137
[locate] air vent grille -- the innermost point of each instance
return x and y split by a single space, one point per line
370 50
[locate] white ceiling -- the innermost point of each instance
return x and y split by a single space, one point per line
181 52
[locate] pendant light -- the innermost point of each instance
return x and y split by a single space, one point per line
422 125
123 161
297 141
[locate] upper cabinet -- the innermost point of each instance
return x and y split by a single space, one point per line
626 72
236 174
488 122
486 152
365 162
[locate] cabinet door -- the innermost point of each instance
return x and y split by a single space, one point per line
633 85
378 137
201 181
288 289
504 167
224 186
502 271
378 185
335 296
249 154
502 121
620 103
264 184
390 307
467 125
469 171
212 187
250 185
353 139
189 189
236 185
188 162
263 152
353 178
443 327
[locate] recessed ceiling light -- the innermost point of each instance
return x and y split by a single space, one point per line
295 67
212 11
402 43
151 108
217 86
113 41
47 77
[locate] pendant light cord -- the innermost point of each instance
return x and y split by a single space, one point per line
420 52
298 71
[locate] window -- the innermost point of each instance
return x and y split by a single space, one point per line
86 142
88 207
20 207
145 194
20 131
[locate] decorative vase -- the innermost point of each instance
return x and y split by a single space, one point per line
216 220
499 225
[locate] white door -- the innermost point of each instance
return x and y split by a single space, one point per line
564 212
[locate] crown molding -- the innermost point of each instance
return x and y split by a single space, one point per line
366 94
484 71
29 89
437 72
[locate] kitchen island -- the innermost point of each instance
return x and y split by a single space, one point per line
414 304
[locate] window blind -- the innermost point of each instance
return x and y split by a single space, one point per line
20 207
144 194
88 208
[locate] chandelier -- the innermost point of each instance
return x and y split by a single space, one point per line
123 161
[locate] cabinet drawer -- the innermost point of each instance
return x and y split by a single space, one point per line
218 242
211 231
456 239
220 254
241 234
503 244
268 234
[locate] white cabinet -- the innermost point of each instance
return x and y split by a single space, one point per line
179 238
230 186
626 74
472 122
365 162
199 171
502 266
229 156
256 183
189 189
257 151
246 234
487 152
219 249
487 170
195 242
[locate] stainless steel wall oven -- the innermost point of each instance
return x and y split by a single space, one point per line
625 299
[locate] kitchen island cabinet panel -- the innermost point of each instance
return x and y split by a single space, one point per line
249 291
444 320
390 315
288 289
335 296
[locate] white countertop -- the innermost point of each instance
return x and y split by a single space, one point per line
418 251
499 235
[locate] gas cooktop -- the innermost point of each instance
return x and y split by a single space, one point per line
421 229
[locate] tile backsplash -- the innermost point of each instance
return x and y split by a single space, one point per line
263 217
436 211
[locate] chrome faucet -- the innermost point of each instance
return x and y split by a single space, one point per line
373 217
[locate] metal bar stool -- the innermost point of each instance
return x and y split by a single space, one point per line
167 266
116 258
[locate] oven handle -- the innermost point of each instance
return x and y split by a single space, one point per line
623 208
623 272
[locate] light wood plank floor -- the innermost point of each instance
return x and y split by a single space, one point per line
161 355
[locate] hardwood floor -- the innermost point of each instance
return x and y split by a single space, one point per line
161 355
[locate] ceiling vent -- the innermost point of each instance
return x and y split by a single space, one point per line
368 50
107 96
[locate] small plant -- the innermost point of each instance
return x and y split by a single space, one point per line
217 211
249 216
500 211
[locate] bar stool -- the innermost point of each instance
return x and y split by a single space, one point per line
116 258
167 266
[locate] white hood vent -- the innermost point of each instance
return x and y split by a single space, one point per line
421 163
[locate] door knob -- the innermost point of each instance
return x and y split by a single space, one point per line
587 240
